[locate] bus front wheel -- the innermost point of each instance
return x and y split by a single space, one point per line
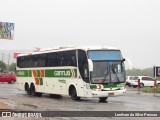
103 99
74 94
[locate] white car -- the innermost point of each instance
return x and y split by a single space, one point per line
144 81
129 79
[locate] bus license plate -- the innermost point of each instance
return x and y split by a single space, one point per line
110 94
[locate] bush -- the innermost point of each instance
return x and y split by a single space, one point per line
151 90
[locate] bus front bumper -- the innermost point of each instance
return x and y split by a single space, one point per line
95 93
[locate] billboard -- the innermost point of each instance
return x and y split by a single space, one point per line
6 30
156 71
15 55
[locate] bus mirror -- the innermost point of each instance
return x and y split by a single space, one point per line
90 65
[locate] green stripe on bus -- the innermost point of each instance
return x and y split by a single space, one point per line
107 86
49 73
29 73
38 73
61 73
41 81
23 73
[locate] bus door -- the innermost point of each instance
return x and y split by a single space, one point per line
83 73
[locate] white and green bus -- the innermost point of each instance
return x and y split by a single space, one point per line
89 71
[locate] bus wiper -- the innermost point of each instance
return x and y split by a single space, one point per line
106 74
114 72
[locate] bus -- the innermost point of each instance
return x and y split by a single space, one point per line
88 71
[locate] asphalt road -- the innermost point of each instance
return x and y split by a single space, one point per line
132 101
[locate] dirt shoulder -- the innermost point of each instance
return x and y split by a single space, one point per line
4 105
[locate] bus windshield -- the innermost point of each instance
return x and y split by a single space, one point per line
108 67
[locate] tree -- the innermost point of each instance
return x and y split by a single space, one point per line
140 72
3 66
12 67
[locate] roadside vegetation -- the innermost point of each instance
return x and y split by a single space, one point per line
141 72
151 90
5 67
144 72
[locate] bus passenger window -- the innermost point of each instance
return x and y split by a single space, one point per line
73 61
62 63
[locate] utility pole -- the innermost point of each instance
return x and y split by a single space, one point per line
8 61
2 56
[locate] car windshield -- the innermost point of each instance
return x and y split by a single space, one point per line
135 78
131 78
108 72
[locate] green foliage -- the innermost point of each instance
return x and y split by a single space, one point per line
3 66
151 90
140 72
12 67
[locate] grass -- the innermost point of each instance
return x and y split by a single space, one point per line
151 90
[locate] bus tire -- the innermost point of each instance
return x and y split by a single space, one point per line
74 94
27 89
102 99
32 90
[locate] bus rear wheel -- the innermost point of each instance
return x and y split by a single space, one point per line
33 93
27 89
32 90
102 99
74 94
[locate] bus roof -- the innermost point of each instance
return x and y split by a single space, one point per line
65 48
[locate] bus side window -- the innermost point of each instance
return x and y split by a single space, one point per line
83 65
19 62
62 63
73 61
42 60
51 60
71 58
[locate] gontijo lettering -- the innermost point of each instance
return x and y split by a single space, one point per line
62 73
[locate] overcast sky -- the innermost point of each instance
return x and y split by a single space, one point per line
130 25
